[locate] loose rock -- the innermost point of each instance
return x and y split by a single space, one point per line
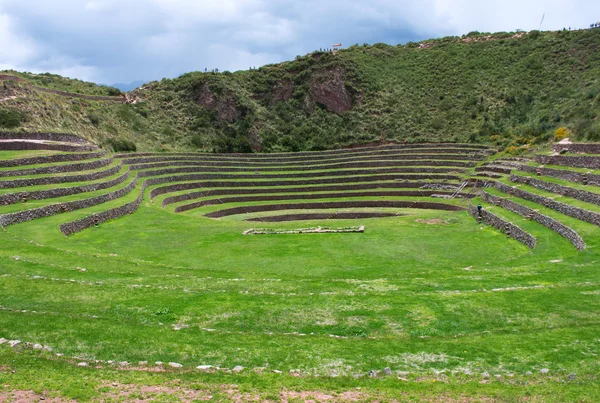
204 367
14 343
238 368
175 365
544 371
387 371
3 340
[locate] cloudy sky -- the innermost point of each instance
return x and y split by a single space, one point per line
110 41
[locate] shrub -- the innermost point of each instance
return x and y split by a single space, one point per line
11 118
113 92
94 119
561 133
119 145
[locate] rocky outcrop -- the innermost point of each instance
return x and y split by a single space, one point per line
283 90
225 104
328 88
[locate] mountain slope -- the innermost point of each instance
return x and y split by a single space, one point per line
512 89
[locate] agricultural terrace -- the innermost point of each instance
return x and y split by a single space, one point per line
122 270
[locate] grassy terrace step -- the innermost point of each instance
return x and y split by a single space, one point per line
66 204
573 191
56 168
413 165
179 196
552 196
334 152
384 173
334 205
547 239
527 212
12 198
568 174
45 180
586 230
303 162
19 145
590 187
7 156
310 196
45 159
296 157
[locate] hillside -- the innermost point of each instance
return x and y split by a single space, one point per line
504 88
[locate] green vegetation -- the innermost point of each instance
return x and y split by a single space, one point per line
511 89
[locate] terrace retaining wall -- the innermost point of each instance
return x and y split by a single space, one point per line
582 195
208 161
244 199
222 192
58 208
571 176
548 222
51 159
572 211
200 167
55 169
322 216
575 162
60 137
582 148
17 145
53 180
392 146
95 219
13 198
510 229
330 205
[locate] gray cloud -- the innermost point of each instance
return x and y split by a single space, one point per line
120 41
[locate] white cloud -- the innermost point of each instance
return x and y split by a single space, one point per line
115 40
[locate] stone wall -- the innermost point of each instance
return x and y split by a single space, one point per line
565 174
471 147
95 219
244 199
53 180
330 188
55 169
582 148
62 137
548 222
17 145
58 208
582 195
51 159
13 198
322 216
209 161
330 205
567 209
508 228
576 162
204 167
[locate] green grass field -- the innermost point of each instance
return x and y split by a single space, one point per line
450 302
